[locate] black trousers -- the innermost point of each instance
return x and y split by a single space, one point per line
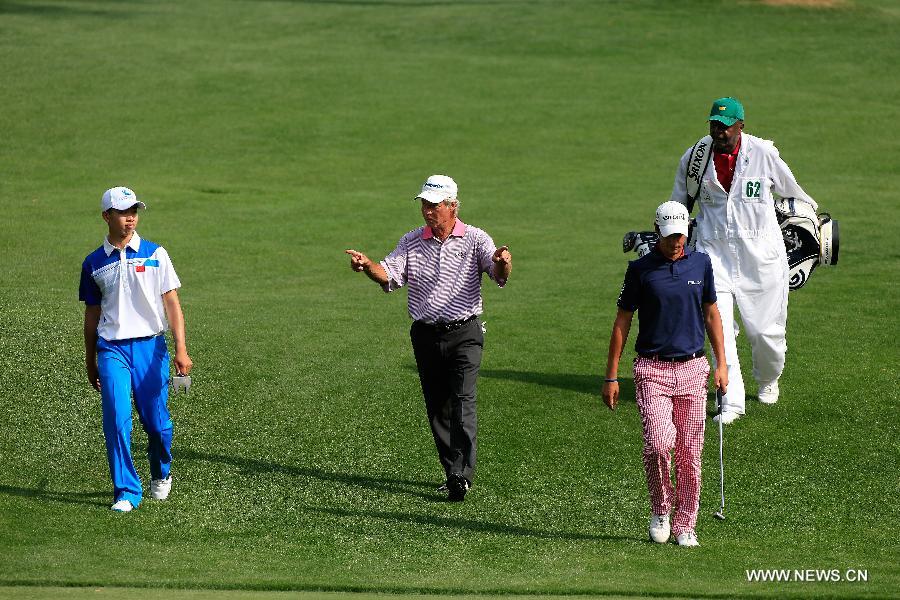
448 363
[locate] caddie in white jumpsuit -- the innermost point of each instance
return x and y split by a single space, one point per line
736 226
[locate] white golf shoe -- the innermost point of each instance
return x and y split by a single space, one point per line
160 488
768 393
660 528
688 539
727 416
122 506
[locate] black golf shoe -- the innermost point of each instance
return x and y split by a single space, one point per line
457 486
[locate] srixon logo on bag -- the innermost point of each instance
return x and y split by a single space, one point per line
697 162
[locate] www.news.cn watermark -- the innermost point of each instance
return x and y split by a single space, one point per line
807 575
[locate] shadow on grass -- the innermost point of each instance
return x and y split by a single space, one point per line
42 493
468 524
575 382
54 10
407 487
252 466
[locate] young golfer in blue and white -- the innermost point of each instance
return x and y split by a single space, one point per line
128 286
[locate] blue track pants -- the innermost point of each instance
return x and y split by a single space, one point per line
138 367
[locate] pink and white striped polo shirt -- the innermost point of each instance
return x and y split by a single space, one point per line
444 278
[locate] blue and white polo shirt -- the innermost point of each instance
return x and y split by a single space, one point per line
128 285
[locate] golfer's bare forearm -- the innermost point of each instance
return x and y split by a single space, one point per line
617 339
91 320
376 273
175 316
714 330
178 337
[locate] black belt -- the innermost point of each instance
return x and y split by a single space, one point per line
443 327
682 358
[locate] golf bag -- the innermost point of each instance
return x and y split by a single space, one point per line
641 242
809 239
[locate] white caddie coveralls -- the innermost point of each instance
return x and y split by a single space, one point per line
739 232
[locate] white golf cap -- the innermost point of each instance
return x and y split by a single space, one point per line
438 188
672 217
119 198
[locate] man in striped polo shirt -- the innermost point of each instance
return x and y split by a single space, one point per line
129 289
673 291
442 264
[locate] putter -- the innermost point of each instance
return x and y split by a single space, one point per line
721 512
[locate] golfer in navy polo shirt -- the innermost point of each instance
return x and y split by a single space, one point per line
673 292
129 289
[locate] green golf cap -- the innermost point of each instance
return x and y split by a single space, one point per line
726 110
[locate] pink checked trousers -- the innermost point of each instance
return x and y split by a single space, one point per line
671 397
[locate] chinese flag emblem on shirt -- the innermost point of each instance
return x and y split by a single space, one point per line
140 268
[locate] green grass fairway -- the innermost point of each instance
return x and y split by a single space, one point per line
95 593
268 136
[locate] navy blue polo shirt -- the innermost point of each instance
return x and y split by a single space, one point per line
668 297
